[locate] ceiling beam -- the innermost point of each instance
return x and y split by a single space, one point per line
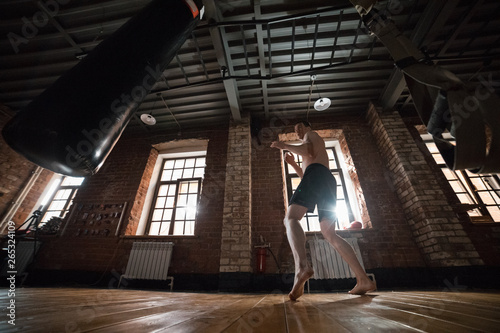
58 26
223 58
458 28
262 59
433 18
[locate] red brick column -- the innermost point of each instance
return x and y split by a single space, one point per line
436 229
236 244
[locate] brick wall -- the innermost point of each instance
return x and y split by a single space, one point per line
435 227
236 245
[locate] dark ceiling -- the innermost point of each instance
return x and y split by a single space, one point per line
254 57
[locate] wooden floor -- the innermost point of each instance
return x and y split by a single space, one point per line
112 310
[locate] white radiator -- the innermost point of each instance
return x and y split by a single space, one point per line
328 264
149 261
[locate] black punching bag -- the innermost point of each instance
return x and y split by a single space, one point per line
73 125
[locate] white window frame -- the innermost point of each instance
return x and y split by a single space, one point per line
45 200
168 150
187 208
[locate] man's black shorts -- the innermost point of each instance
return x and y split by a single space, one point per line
317 187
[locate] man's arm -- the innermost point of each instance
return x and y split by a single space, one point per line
291 160
304 149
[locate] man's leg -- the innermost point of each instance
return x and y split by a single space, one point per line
363 283
297 240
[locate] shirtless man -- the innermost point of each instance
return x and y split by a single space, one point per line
317 187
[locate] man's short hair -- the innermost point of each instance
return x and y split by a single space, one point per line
305 123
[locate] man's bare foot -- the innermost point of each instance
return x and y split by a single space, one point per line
300 279
363 287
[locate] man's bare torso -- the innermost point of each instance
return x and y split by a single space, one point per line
317 151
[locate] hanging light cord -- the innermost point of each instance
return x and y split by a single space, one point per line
310 93
170 111
317 89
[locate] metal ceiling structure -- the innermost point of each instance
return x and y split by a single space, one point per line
253 57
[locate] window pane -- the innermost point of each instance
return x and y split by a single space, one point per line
449 174
200 162
169 164
457 186
177 174
494 212
331 158
72 181
478 183
179 164
170 202
179 228
340 193
199 172
486 197
160 202
167 215
166 175
464 198
193 188
171 190
332 164
182 200
57 205
189 228
438 158
303 224
432 147
180 214
165 227
188 173
157 215
192 200
162 191
474 212
314 224
184 187
190 163
62 194
190 213
154 228
49 215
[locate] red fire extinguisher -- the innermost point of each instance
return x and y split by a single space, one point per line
261 259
